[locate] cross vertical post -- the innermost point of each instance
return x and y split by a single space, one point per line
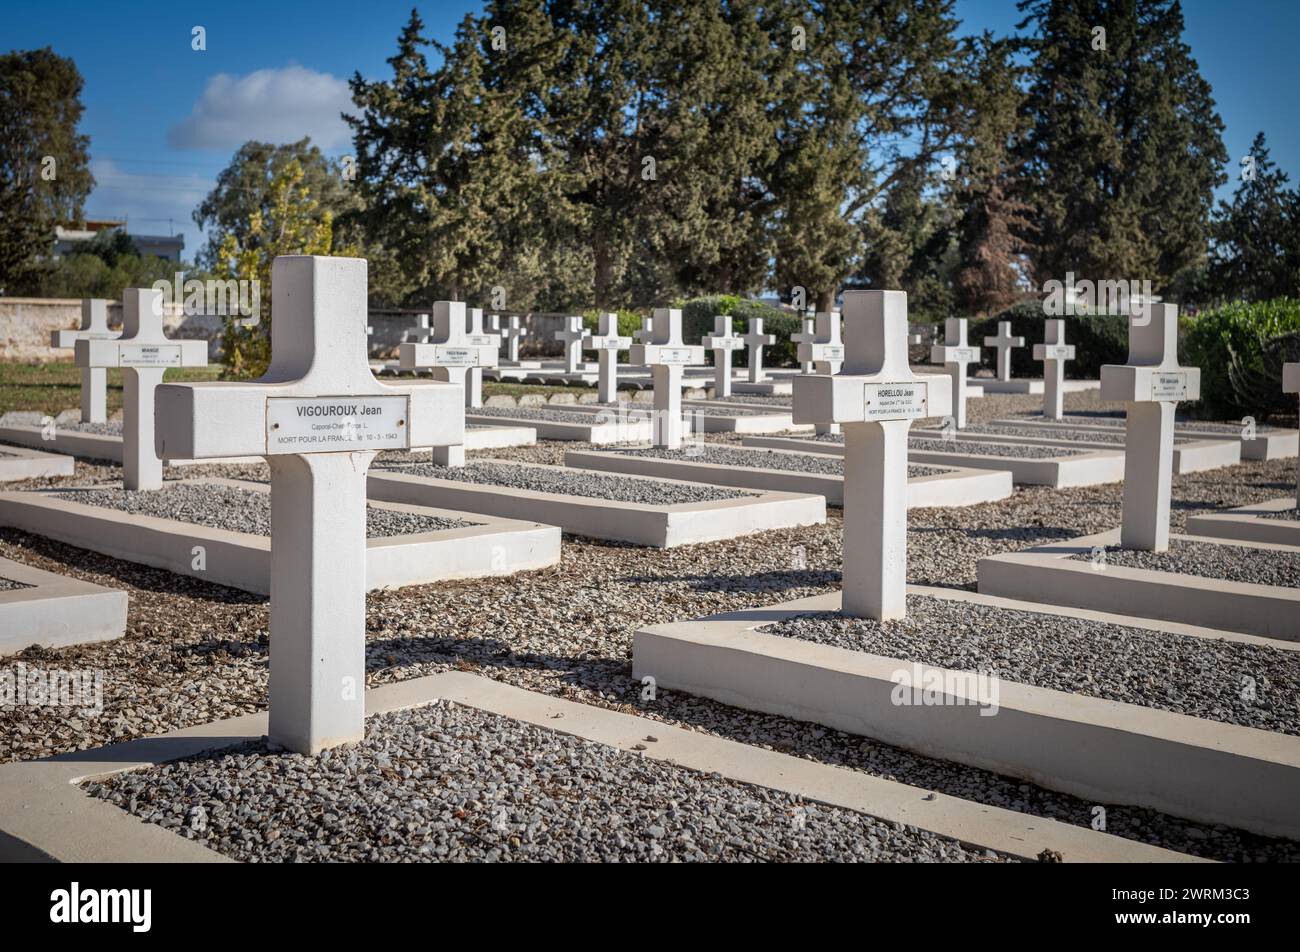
512 333
666 356
955 353
94 380
756 340
824 353
806 336
1004 342
1054 352
571 336
723 343
607 344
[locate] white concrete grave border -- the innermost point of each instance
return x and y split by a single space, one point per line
56 611
589 424
1087 469
1249 523
492 546
1099 750
107 447
956 486
1264 445
1049 574
659 526
19 462
46 816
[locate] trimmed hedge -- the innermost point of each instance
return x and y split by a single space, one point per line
1096 340
697 322
1240 349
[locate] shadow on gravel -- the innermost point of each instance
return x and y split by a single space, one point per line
1030 535
762 582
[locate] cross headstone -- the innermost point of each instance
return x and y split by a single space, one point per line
666 356
1054 352
452 356
1004 342
955 353
571 336
723 343
94 380
1150 385
511 334
756 340
144 353
646 333
477 336
876 397
825 352
806 336
607 344
1291 384
419 334
318 416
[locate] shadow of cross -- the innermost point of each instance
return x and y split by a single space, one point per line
1004 342
756 340
955 353
876 397
1149 385
723 342
94 380
318 416
1054 352
144 353
607 344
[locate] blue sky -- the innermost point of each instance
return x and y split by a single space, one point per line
165 119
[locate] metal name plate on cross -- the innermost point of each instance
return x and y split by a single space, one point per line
94 380
1149 385
955 353
607 344
332 414
875 396
667 356
144 353
723 343
1054 352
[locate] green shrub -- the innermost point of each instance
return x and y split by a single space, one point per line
1240 349
697 321
1097 340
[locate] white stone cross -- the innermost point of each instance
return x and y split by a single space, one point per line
144 353
1004 342
646 334
318 416
94 380
1291 384
571 336
419 334
825 352
607 344
1150 385
807 336
723 343
666 356
955 353
756 340
1054 352
476 336
511 334
876 397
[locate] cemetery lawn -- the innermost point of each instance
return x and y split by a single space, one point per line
53 387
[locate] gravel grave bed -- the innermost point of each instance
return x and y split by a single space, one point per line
1291 514
1232 429
574 482
724 411
445 782
1231 563
1051 433
112 428
549 414
974 448
240 510
9 585
1197 676
755 458
775 400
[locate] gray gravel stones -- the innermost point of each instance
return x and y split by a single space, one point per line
1290 514
9 585
556 414
1198 676
976 448
240 510
775 400
575 482
1052 433
112 428
1231 563
445 782
763 459
1228 429
689 408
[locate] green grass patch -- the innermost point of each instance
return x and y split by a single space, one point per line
50 388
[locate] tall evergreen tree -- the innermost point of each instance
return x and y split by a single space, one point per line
1256 251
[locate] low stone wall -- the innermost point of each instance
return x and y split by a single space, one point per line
26 324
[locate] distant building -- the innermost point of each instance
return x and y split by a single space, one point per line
161 246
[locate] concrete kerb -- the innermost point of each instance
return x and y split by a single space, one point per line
56 611
660 526
1083 469
1050 573
1264 445
619 428
957 486
45 815
492 546
1250 523
1100 750
19 462
97 446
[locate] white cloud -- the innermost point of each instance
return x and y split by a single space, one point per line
152 204
270 105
